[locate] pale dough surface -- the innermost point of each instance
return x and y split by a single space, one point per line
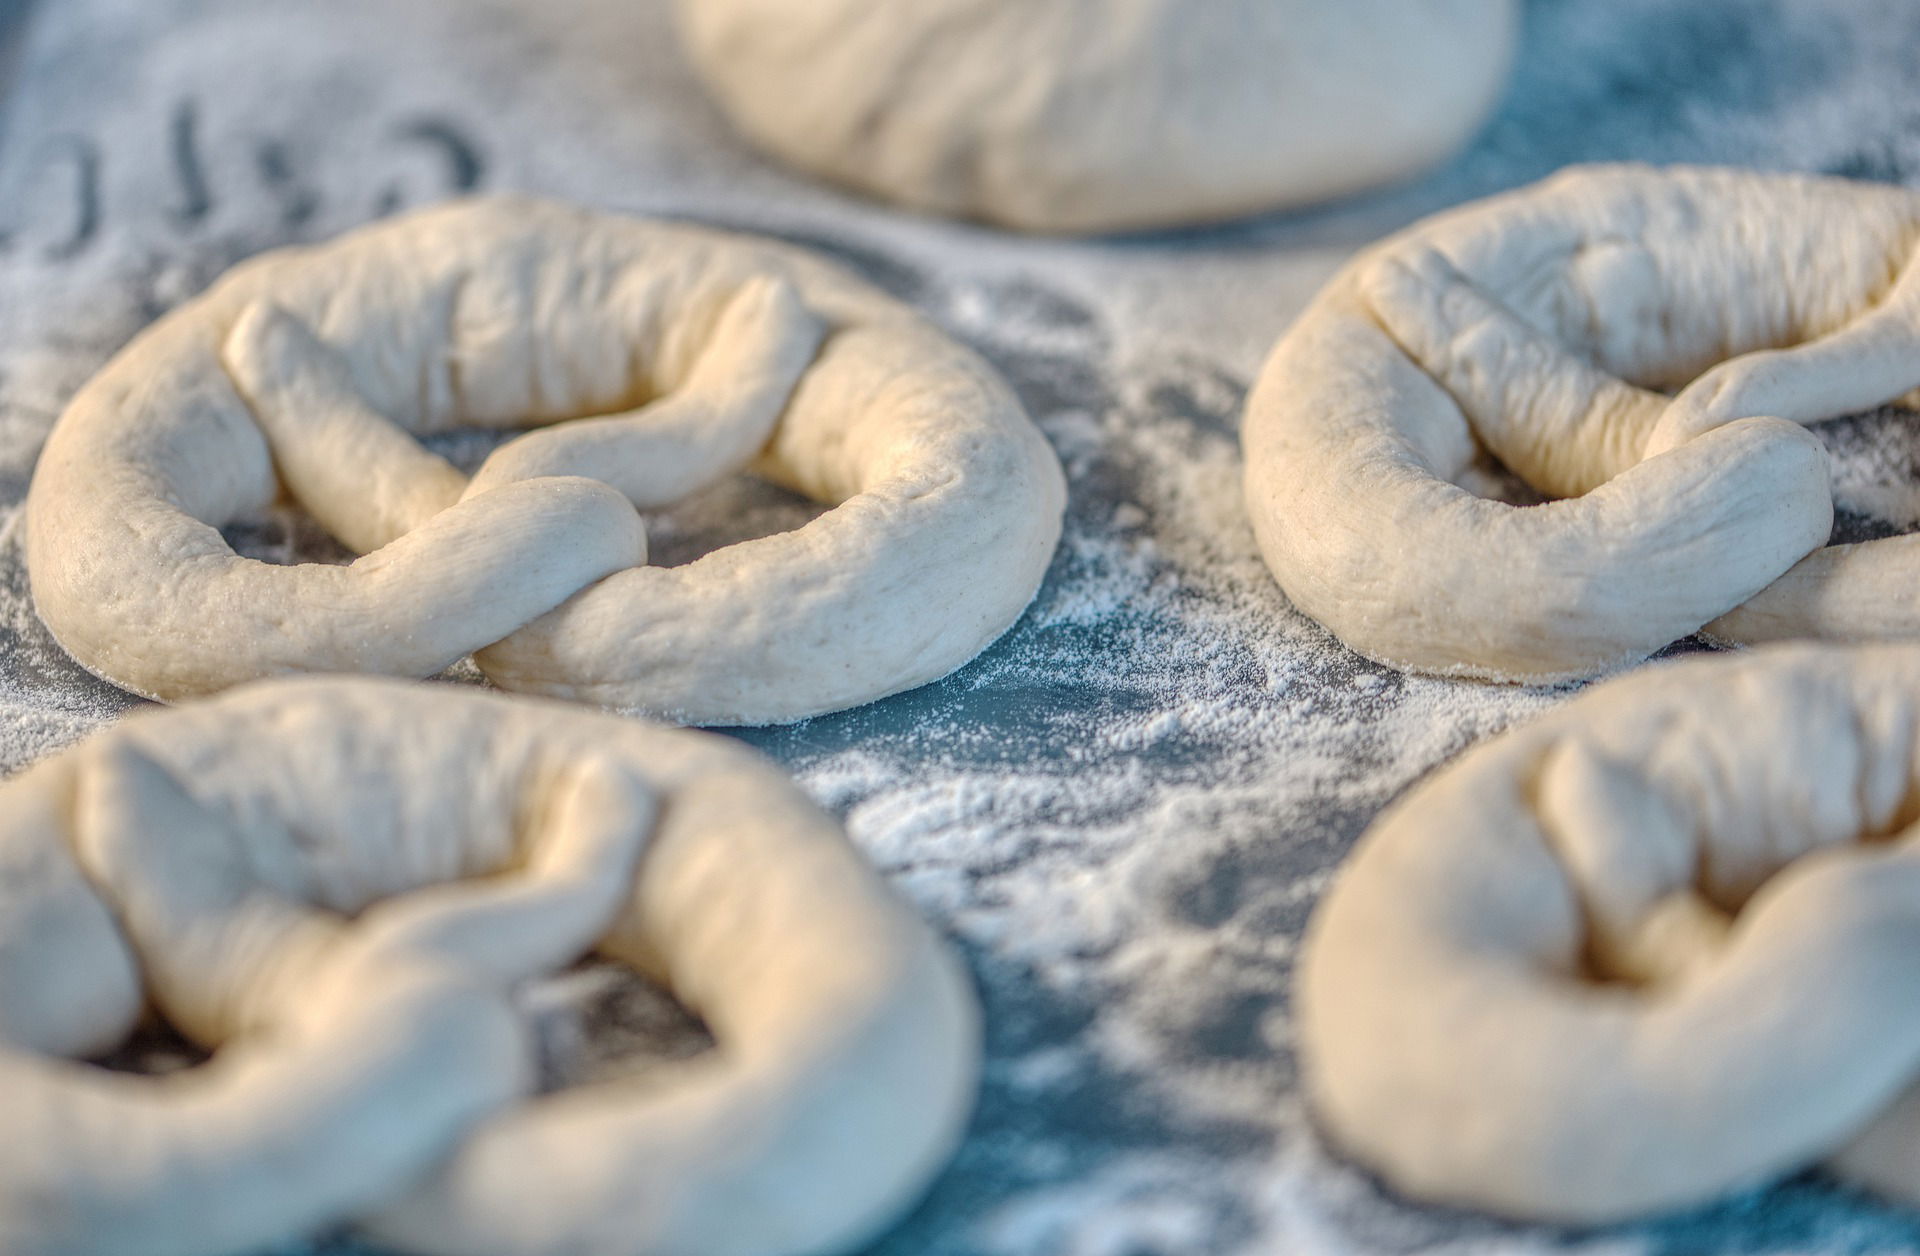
1638 346
1649 948
1104 115
663 357
335 882
1094 806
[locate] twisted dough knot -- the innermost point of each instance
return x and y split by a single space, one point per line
692 353
336 882
1652 947
1541 328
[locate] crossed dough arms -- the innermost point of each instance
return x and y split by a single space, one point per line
337 882
651 359
1645 950
1545 328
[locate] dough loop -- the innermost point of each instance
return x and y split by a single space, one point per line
1544 328
336 882
693 353
1104 115
1652 947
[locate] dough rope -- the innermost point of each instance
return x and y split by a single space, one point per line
1104 115
1542 328
691 353
1650 948
336 882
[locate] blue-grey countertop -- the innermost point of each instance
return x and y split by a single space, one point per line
1125 810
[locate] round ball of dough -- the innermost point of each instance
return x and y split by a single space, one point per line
1655 946
336 885
1104 115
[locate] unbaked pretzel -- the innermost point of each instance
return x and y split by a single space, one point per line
1657 945
334 882
313 371
1540 327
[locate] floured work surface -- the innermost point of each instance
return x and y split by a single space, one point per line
1125 810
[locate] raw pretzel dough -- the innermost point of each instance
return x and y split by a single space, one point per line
314 369
335 882
1652 947
1539 327
1102 115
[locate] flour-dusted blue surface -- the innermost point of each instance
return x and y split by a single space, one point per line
1125 810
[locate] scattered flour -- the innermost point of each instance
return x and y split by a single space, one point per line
1126 809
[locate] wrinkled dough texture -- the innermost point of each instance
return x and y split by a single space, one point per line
652 359
1649 949
1104 115
336 882
1637 345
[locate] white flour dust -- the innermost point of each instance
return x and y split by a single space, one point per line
1125 810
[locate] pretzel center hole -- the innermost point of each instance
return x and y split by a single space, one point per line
739 508
599 1021
742 508
1875 458
1876 473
